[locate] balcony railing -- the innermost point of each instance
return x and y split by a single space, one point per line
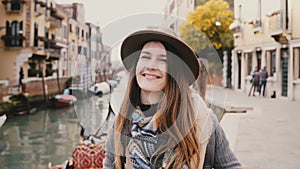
237 29
275 23
278 28
13 40
13 1
257 23
55 54
49 43
54 22
13 5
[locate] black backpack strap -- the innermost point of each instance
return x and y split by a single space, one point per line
210 152
123 161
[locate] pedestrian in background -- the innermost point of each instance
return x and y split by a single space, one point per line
254 81
263 76
162 122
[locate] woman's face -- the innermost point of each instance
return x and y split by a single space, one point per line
151 69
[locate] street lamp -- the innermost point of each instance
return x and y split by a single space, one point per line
2 27
218 23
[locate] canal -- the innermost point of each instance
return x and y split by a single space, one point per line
32 141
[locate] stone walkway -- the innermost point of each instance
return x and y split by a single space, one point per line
267 137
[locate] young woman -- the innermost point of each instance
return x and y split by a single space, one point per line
162 122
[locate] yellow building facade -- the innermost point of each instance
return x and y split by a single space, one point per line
28 39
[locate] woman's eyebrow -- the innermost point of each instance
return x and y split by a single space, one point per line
149 53
146 52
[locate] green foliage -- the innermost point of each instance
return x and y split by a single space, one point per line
201 26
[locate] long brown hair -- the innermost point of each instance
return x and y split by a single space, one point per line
175 118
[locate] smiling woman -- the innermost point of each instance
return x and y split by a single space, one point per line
151 69
162 123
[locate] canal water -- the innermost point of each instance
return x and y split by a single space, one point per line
32 141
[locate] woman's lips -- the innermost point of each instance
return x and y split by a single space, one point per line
151 76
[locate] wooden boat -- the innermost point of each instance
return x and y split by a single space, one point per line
62 100
23 110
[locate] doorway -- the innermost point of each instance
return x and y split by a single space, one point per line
239 57
284 73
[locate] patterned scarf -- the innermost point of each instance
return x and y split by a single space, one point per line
144 142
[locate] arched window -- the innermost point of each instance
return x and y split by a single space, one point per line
14 33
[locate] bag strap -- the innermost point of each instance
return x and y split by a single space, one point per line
210 152
123 161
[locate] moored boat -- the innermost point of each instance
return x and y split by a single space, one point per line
62 100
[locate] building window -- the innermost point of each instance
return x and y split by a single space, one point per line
58 33
14 34
297 63
35 7
77 31
35 42
73 45
249 63
65 32
82 33
272 68
71 28
258 59
16 5
258 22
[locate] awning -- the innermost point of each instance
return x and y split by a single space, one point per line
234 25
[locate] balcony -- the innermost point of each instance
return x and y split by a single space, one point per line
54 55
277 27
275 24
237 29
55 22
256 25
13 6
13 41
55 19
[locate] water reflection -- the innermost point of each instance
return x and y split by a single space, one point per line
91 111
35 140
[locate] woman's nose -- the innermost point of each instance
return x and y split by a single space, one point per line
151 64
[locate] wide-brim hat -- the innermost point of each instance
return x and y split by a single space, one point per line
135 41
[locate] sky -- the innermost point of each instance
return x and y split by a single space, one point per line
102 12
119 18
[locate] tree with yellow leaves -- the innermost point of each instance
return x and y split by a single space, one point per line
201 25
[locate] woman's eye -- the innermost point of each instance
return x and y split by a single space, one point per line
145 57
163 60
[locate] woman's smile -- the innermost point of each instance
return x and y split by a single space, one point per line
151 69
150 76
